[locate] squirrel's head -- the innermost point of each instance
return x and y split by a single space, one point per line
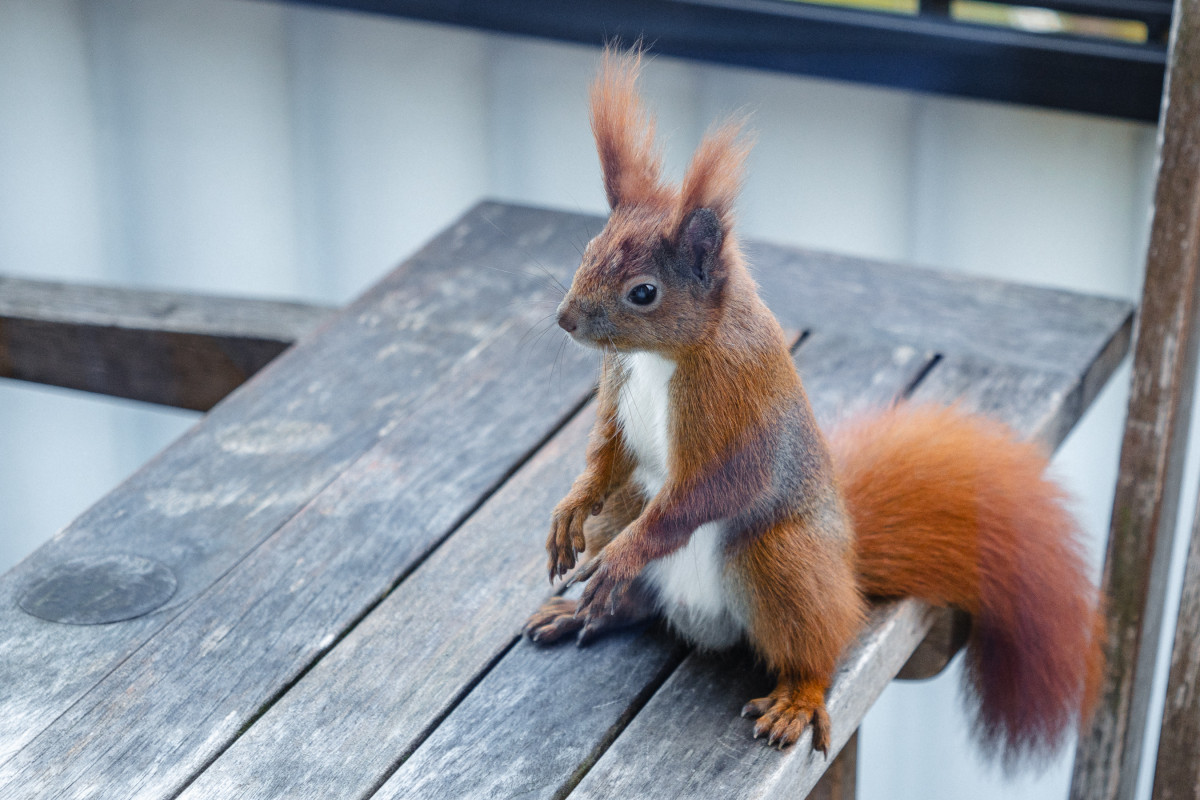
656 276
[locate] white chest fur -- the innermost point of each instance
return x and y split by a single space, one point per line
644 410
690 583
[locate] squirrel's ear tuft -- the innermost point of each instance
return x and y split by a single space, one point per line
625 133
700 237
714 177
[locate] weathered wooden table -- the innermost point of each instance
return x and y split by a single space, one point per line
317 591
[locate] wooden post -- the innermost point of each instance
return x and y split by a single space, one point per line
1177 773
840 781
1147 496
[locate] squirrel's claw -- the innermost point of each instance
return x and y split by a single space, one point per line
603 589
566 540
585 571
783 716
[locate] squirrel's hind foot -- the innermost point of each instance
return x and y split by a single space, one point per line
559 617
554 620
788 710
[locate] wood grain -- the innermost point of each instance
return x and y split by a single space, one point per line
170 348
378 693
294 746
525 745
1177 771
1039 405
1156 431
998 322
262 454
711 754
847 376
175 704
294 739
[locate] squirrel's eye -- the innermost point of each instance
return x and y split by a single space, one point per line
643 294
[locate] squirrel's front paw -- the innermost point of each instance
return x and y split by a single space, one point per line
566 539
606 583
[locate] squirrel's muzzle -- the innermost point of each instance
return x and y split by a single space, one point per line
586 322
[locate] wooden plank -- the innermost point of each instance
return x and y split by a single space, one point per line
248 467
710 752
205 505
1177 772
170 348
846 376
175 704
1010 394
826 361
298 743
949 313
997 321
1156 430
367 704
450 608
1042 405
995 389
555 690
700 700
525 746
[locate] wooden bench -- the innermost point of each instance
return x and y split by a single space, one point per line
318 590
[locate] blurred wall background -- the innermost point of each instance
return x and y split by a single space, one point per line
256 148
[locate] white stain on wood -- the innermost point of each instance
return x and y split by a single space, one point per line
272 437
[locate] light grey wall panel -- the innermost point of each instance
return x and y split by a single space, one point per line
391 135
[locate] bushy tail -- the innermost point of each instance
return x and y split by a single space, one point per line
951 508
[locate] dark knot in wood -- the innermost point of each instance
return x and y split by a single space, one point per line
99 589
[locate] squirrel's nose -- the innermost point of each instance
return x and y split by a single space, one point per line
568 315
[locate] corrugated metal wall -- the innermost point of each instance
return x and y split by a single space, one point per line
257 148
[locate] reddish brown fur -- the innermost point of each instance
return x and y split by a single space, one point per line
608 469
946 507
714 176
950 508
794 573
624 135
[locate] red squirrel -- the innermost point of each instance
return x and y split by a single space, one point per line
711 498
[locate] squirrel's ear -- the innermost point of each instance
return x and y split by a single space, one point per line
624 133
700 238
714 177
